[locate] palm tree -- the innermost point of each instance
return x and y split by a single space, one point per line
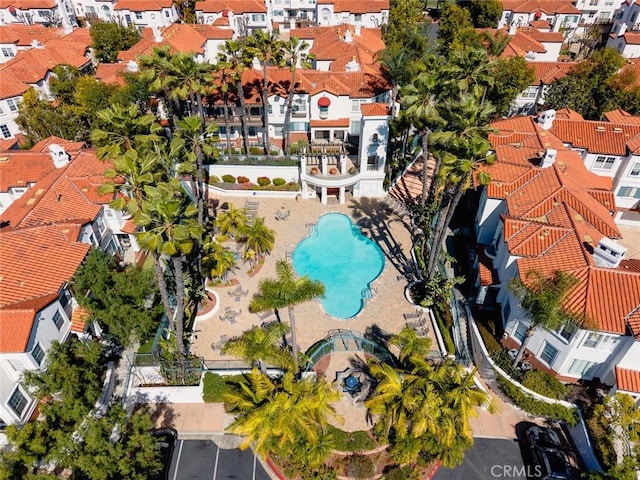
275 415
286 291
410 344
257 237
259 345
421 101
170 230
462 148
122 128
233 53
468 68
216 259
295 53
269 50
231 222
424 408
154 71
225 77
189 80
543 298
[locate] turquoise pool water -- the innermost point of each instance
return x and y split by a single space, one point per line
338 255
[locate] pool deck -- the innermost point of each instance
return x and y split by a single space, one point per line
384 310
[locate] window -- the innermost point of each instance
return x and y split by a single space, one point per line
358 17
324 112
592 340
138 15
506 312
90 10
259 17
6 133
567 331
549 353
635 170
13 104
630 192
278 131
100 223
530 92
355 128
604 163
252 131
270 109
17 402
521 331
58 320
166 13
355 105
581 368
7 52
299 126
282 109
38 354
593 3
1 110
324 14
255 111
609 343
278 13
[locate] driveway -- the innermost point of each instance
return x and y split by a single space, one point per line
204 460
489 459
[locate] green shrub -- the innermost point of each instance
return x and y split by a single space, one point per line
214 387
401 473
279 181
351 441
446 333
545 384
242 179
214 179
358 466
536 407
256 150
490 341
263 181
228 178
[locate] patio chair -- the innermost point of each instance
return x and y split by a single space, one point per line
410 316
265 315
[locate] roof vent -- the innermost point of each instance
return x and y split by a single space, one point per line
59 156
600 128
608 253
617 129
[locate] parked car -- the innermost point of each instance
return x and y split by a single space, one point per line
546 454
166 439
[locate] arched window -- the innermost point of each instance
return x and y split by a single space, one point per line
325 13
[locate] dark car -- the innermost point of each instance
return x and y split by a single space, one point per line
166 439
545 450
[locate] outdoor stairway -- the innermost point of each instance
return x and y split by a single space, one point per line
408 188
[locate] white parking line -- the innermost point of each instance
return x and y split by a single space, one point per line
215 466
255 460
175 474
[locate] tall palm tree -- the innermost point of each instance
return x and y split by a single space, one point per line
233 52
274 415
154 71
259 345
230 222
295 52
286 291
225 78
120 129
189 80
543 298
421 99
170 230
464 147
469 67
257 237
269 50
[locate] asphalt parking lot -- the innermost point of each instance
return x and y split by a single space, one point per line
204 460
489 459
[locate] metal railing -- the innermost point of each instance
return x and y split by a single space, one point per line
261 160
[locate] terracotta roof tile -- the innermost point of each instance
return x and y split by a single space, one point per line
547 6
540 24
374 109
65 195
111 73
10 86
488 275
19 168
16 328
79 319
28 4
338 122
620 116
143 5
69 145
35 262
596 137
548 72
24 35
627 379
632 38
235 6
630 264
568 114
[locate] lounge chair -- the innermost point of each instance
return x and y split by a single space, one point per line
410 316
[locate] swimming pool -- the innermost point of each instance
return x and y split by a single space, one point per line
338 255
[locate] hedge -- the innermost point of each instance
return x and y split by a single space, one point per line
351 441
358 466
279 181
263 181
228 178
545 384
534 406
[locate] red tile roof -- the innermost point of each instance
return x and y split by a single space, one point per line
111 73
235 6
28 4
24 35
547 6
79 319
548 72
338 122
66 195
620 116
35 262
375 109
19 168
143 5
596 137
632 38
627 379
15 326
68 145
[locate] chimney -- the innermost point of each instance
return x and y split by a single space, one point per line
157 34
36 44
132 66
513 28
59 156
549 158
622 29
608 253
353 65
546 118
348 36
358 29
